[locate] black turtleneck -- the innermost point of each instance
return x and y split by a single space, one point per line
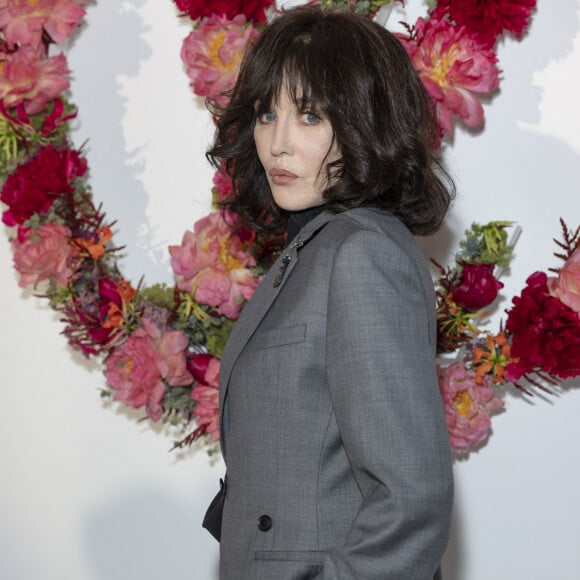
298 219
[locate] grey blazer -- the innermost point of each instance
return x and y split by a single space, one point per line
332 427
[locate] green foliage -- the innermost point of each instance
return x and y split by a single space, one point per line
486 244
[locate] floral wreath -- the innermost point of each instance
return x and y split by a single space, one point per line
161 346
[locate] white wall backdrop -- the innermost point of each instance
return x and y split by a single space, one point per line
88 493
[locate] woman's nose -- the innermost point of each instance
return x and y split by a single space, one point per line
281 138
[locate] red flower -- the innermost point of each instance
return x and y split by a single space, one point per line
477 287
36 184
487 19
545 333
253 9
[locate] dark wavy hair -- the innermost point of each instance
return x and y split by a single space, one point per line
360 76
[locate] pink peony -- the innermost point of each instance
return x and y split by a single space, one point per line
212 53
205 369
213 265
29 78
43 254
467 406
135 370
453 68
171 346
566 286
23 23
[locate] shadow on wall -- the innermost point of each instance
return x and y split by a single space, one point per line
146 535
97 63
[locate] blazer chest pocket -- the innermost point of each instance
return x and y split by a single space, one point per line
279 337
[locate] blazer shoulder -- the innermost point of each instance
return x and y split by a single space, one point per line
358 226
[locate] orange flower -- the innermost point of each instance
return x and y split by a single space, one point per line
94 246
492 358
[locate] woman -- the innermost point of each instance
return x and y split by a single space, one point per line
332 428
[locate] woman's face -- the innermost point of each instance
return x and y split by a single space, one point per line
294 147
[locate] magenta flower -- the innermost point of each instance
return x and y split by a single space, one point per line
29 78
44 254
35 184
467 406
477 287
24 22
214 266
212 53
136 369
488 19
206 369
566 286
453 68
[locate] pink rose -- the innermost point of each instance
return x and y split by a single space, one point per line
44 254
213 264
477 287
205 369
566 286
467 406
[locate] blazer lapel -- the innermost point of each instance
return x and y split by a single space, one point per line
255 310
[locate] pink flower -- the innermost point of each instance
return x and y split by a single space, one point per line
29 78
213 265
212 53
23 22
222 184
477 287
453 68
136 370
43 254
566 286
205 369
467 406
171 346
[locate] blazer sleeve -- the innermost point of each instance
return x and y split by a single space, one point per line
383 383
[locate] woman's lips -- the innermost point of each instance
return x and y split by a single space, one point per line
282 176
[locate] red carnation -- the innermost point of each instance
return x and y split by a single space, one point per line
545 333
35 185
477 287
252 9
488 19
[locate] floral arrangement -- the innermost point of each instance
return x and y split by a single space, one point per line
539 345
161 346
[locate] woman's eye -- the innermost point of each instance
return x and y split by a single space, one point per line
311 118
267 117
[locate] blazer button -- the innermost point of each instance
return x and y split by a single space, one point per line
264 523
